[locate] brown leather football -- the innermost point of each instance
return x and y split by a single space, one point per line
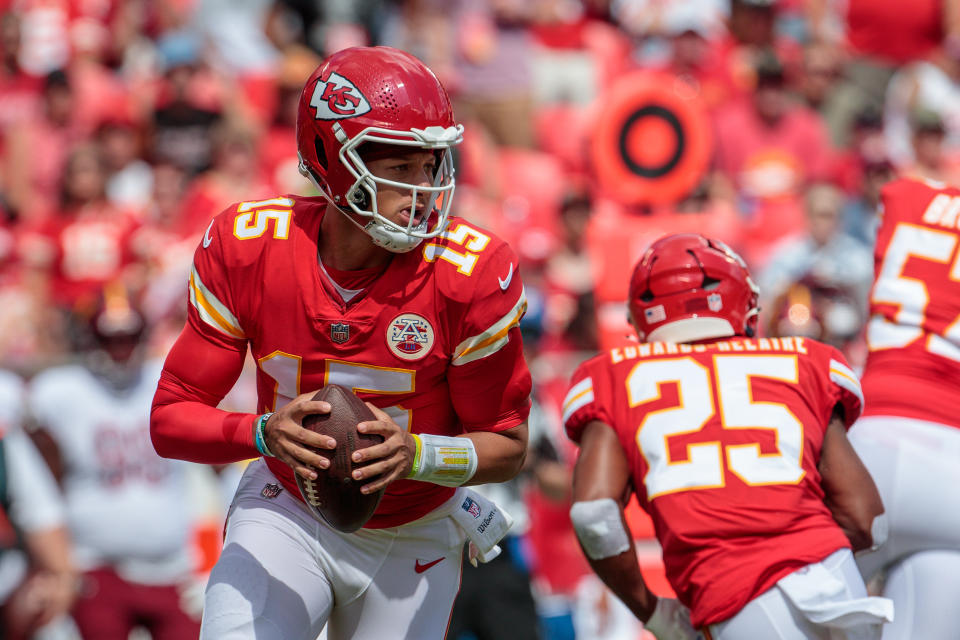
335 496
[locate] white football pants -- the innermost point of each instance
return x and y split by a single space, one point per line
916 466
823 601
283 574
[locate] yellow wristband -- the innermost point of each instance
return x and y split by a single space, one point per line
417 457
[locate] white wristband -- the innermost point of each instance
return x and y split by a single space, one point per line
443 460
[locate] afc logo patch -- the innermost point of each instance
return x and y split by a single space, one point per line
410 336
338 98
470 506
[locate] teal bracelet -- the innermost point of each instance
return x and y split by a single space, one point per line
258 438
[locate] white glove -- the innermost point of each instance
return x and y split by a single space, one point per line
671 621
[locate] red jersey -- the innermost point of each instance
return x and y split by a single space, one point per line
723 442
434 340
913 369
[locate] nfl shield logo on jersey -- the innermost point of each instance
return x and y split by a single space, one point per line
470 506
339 332
714 302
409 336
271 490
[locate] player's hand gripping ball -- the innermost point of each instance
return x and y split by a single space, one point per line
335 496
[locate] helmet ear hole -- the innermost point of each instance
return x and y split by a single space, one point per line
321 153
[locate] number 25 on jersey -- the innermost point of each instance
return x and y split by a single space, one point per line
733 405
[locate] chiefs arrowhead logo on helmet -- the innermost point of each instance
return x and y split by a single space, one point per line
382 98
338 98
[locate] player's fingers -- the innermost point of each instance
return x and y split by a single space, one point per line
379 413
380 474
299 410
386 428
300 457
375 451
313 439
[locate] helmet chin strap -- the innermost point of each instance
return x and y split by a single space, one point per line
392 241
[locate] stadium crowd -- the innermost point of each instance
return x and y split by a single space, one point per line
126 125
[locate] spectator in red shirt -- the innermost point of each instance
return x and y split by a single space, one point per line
87 242
768 148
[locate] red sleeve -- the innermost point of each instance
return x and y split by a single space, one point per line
184 421
489 380
203 366
580 406
844 387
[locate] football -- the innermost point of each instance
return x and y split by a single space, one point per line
335 496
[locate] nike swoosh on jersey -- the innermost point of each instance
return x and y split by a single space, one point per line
420 568
206 236
505 282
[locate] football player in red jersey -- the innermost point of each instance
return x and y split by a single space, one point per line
373 285
736 446
909 435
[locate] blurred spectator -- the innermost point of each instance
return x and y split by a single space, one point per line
126 507
19 90
129 176
931 86
818 74
569 277
36 150
276 155
867 145
930 159
37 578
235 30
87 242
233 177
860 214
878 35
698 56
185 112
492 62
425 29
769 147
825 253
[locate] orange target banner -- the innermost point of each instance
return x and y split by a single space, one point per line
654 140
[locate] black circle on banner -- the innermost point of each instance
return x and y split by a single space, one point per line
652 111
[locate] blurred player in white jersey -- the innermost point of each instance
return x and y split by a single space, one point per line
128 509
37 580
909 435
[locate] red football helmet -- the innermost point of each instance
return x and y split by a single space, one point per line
687 288
385 96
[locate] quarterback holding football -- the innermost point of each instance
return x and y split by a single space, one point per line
374 286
